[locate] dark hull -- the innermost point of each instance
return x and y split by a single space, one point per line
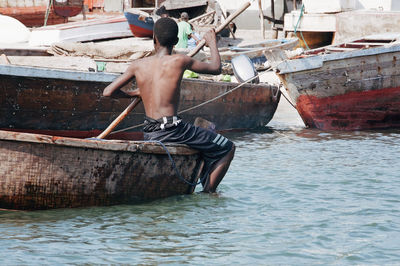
46 172
72 102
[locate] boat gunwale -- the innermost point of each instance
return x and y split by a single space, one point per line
317 61
99 144
77 75
66 74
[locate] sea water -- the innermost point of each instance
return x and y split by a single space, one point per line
293 196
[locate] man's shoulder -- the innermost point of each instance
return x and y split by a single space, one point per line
180 57
184 23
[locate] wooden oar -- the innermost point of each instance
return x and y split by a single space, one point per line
200 45
118 120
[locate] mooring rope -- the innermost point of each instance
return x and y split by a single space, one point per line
174 165
49 5
297 25
284 96
203 103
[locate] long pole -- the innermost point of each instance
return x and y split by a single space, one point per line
262 25
220 27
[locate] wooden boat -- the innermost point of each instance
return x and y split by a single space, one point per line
68 8
30 13
256 50
45 172
140 22
80 31
350 86
70 103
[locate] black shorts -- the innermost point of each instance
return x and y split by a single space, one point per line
211 145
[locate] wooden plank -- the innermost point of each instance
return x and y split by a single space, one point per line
88 30
181 4
366 43
112 145
340 49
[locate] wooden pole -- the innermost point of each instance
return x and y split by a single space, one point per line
229 28
118 120
220 27
135 102
262 25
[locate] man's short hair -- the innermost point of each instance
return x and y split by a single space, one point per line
184 15
166 31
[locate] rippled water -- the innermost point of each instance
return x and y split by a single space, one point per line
292 196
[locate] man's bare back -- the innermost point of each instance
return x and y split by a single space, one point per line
159 77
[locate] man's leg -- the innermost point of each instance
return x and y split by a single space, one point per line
218 172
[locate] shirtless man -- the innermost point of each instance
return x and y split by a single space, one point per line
158 80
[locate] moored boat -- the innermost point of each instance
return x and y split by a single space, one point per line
46 172
140 22
30 13
350 86
70 103
256 50
81 31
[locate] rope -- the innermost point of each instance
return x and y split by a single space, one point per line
47 12
203 103
174 165
297 25
289 101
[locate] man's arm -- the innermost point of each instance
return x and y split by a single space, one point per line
212 67
192 35
114 89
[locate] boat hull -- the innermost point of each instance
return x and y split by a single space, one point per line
357 90
31 15
44 172
65 102
140 26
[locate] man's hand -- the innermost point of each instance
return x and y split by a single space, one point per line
132 93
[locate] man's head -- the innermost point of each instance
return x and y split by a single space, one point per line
166 32
184 16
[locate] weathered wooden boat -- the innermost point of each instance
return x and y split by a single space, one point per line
256 50
44 172
351 86
81 31
70 103
30 13
68 8
140 22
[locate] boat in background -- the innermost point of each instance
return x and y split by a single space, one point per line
81 31
68 8
256 50
350 86
33 13
140 22
69 102
40 172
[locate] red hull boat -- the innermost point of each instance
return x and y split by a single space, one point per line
351 86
